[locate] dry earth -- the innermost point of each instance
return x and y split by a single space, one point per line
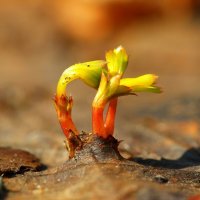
160 133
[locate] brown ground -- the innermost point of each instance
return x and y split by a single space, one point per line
160 133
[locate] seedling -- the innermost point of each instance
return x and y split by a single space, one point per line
89 73
107 77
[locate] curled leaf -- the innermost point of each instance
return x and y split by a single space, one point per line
88 72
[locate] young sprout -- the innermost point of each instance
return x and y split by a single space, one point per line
117 61
112 85
108 81
89 73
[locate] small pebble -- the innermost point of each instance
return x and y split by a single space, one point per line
160 179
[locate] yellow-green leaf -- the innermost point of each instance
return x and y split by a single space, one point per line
88 72
145 83
117 61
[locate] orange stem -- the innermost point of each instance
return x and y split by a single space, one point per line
97 121
67 124
110 117
98 126
63 108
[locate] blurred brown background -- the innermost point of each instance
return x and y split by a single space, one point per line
39 39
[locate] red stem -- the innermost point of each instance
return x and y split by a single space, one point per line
63 106
97 121
98 126
110 117
67 124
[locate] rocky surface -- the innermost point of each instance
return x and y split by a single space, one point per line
14 161
97 172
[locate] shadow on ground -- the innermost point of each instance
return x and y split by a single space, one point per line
190 158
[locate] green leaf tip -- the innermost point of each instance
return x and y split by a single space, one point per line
144 83
117 61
